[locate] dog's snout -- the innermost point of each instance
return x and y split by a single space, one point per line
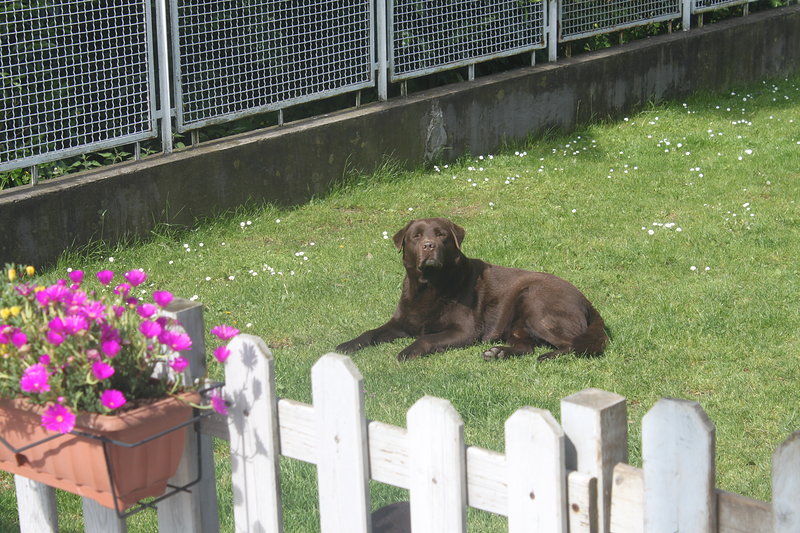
428 245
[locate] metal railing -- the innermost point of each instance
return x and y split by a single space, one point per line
78 76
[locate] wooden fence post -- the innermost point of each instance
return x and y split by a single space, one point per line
36 506
786 485
99 519
195 510
437 461
254 439
342 451
596 425
678 457
537 479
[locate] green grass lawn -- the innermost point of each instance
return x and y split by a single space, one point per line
679 223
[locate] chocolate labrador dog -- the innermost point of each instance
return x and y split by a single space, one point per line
449 300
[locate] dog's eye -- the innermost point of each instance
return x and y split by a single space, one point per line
441 234
416 236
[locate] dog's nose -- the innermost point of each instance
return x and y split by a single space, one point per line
428 245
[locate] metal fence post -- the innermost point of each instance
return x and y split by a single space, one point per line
687 14
164 76
381 40
552 31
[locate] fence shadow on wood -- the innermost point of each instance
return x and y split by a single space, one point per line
552 478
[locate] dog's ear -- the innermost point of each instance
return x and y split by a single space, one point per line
400 237
458 233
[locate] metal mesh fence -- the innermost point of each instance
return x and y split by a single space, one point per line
584 18
237 57
699 6
75 76
432 35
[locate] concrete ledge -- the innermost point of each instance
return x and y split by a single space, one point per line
291 163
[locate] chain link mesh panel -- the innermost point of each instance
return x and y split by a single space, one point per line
75 77
699 6
431 35
240 57
584 18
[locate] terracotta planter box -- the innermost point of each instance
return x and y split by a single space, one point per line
78 464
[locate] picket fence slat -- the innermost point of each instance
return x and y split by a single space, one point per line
36 506
596 425
678 463
786 485
583 503
342 453
536 472
437 461
739 514
627 499
253 430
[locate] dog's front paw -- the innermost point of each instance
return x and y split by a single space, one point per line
495 352
407 355
348 347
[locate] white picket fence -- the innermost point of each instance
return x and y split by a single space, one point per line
552 478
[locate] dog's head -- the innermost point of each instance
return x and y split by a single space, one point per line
430 244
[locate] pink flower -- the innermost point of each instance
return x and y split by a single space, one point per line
110 347
105 276
112 399
34 379
122 289
222 353
146 310
94 311
58 418
5 333
162 298
218 403
224 332
44 359
19 339
135 277
119 310
150 329
102 370
75 324
54 337
179 364
176 341
76 276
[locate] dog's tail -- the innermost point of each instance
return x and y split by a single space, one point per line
594 340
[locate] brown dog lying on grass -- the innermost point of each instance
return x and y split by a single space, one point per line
449 301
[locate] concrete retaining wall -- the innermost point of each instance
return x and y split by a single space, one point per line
289 164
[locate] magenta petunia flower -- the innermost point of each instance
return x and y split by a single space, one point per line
110 347
58 418
146 310
102 370
135 277
224 332
105 276
178 364
119 310
19 339
162 298
221 353
218 403
34 379
112 398
150 329
44 359
76 276
56 293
